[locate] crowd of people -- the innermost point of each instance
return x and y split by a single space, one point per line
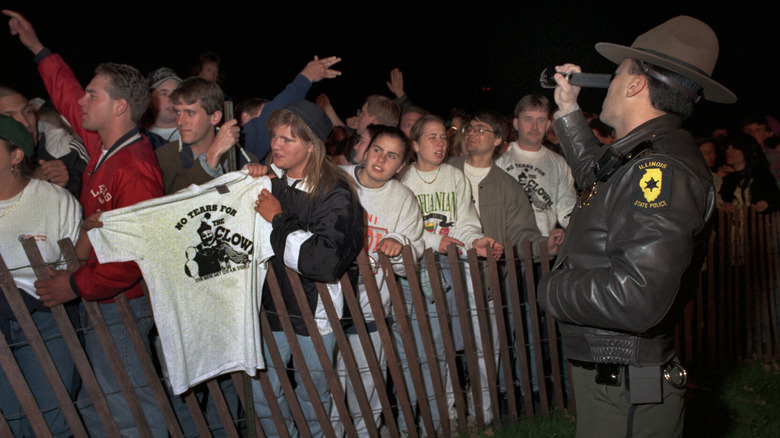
327 187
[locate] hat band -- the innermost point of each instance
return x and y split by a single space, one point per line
675 60
670 82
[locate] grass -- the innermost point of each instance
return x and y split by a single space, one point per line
740 401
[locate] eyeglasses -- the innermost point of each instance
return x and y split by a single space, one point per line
479 131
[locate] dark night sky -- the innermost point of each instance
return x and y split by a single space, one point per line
449 51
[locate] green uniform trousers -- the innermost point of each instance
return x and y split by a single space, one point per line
606 411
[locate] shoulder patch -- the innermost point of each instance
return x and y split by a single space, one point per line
652 183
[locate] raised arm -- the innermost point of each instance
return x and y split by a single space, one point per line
22 28
256 137
60 82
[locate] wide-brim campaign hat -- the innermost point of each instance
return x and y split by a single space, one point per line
684 45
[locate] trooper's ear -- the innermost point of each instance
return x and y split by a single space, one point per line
637 84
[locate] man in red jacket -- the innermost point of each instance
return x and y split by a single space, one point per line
122 171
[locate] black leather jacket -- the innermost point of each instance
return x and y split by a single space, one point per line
632 252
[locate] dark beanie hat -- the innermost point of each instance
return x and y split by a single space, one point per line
314 117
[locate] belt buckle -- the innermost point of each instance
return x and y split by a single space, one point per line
609 374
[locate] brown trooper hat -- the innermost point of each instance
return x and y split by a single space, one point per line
684 45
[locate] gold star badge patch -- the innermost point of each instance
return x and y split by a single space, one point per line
652 186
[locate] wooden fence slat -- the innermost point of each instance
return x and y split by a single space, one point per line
394 365
15 377
191 400
482 309
337 393
762 290
147 366
536 335
711 299
521 351
736 294
117 366
552 336
380 319
242 380
753 286
722 292
5 430
336 390
281 373
222 409
88 378
775 280
297 355
497 284
354 374
437 380
24 318
467 332
512 294
750 320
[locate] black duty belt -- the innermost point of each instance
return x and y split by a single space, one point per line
613 374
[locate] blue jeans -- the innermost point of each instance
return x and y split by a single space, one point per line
315 371
105 376
9 405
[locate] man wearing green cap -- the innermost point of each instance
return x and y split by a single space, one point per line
162 129
635 245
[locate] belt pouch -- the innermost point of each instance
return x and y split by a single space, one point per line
645 385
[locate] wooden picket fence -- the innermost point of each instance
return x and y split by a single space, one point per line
733 316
